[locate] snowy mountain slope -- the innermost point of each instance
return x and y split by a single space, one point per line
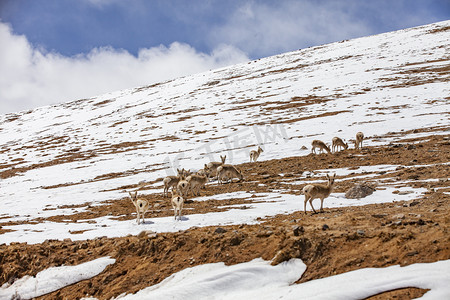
84 152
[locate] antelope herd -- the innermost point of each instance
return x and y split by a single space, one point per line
187 182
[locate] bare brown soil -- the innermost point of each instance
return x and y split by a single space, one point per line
333 242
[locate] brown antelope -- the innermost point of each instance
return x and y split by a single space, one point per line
319 144
315 191
254 154
211 167
229 172
172 181
141 206
177 204
183 187
196 182
183 172
337 144
203 172
359 140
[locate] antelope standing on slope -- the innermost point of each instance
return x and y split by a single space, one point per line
359 140
337 143
196 182
177 204
170 182
315 191
141 206
254 154
319 144
183 187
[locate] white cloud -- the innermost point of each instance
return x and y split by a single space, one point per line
31 77
264 28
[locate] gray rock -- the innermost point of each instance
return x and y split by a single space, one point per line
220 230
235 240
298 230
399 217
359 191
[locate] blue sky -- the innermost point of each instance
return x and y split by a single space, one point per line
59 50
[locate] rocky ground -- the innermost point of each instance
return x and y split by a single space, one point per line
333 242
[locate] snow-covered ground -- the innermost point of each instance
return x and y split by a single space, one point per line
259 280
53 279
256 279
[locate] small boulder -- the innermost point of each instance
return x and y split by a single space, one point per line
399 217
235 240
298 230
220 230
359 191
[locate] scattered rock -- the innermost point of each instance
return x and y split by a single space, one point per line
325 227
420 222
281 256
298 230
413 203
220 230
396 145
359 191
399 217
404 192
379 216
235 240
361 232
396 223
264 233
352 237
